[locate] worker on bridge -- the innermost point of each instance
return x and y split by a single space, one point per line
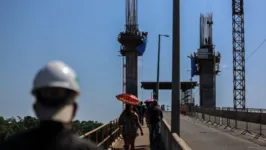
155 116
146 113
129 123
55 89
141 109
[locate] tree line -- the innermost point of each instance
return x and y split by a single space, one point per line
13 125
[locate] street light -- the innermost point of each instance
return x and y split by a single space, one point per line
175 112
158 63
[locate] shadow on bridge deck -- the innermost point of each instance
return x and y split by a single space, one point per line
201 137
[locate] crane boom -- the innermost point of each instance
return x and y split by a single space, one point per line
239 78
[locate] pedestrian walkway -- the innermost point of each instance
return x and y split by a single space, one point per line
141 143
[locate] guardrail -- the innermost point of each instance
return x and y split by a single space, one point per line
249 120
171 140
104 135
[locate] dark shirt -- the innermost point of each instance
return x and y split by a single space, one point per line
51 137
155 114
135 109
149 111
141 109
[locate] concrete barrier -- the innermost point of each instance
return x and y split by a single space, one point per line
171 140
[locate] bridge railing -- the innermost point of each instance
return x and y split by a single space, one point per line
105 135
250 120
172 140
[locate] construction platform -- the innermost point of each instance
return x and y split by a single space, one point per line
168 85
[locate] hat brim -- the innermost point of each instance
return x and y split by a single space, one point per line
61 114
59 84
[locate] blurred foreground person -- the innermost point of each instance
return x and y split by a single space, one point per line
129 122
55 89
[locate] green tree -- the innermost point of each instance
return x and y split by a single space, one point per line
13 125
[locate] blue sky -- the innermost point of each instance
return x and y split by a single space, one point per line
84 33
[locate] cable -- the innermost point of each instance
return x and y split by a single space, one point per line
253 52
209 5
142 90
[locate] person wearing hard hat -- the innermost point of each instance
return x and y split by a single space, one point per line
55 89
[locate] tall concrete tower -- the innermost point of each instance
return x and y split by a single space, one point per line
133 44
205 63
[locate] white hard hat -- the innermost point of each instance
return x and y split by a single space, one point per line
56 74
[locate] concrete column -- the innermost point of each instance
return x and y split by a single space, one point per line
207 86
132 73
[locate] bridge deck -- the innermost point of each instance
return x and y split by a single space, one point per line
141 143
201 137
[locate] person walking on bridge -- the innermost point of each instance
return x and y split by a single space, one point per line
129 123
55 89
141 113
146 114
155 117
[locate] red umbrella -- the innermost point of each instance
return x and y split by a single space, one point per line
128 99
149 100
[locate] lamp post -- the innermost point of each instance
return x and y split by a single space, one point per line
158 63
175 113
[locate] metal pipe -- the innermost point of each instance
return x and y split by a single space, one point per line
158 67
124 77
175 113
191 90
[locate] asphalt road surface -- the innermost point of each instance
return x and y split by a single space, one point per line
201 137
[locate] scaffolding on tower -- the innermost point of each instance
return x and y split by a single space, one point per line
132 44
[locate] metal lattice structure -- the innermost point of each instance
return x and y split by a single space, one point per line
238 54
